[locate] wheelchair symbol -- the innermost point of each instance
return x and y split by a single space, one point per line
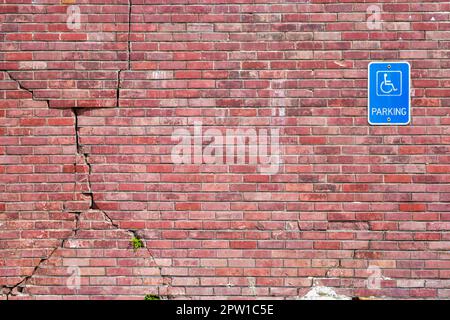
389 84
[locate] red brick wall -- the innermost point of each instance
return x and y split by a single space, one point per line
87 114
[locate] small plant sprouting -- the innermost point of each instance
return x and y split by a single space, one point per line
137 243
151 297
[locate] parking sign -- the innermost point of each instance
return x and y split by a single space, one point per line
389 98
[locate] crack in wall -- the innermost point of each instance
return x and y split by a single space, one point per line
85 156
20 286
93 205
118 88
119 73
21 87
9 290
130 7
22 283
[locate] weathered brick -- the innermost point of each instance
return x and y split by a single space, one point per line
346 196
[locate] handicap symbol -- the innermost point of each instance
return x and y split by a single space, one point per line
389 84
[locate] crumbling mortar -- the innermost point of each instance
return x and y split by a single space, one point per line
85 156
21 87
80 152
118 88
119 73
21 285
93 205
166 279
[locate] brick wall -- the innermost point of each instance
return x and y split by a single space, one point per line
92 94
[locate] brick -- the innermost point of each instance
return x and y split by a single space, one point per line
346 195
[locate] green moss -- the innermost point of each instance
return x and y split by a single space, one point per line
136 243
151 297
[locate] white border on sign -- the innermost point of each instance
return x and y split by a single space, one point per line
368 94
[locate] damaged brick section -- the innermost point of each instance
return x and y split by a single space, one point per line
20 288
83 194
354 209
83 170
86 213
119 73
94 207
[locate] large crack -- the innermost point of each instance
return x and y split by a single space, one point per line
93 205
119 73
19 287
130 7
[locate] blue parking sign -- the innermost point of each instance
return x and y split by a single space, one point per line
389 93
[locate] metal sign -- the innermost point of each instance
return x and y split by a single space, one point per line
389 93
